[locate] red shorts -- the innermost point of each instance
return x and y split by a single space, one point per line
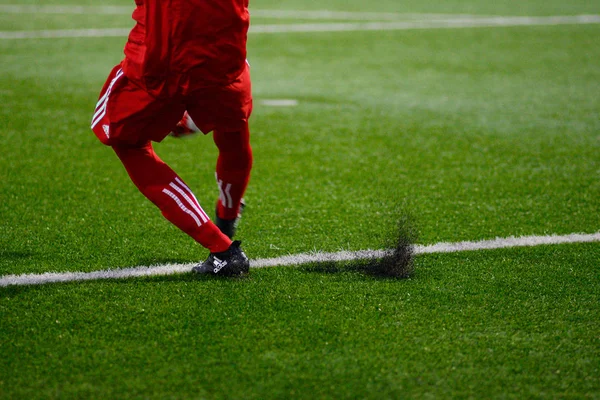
127 114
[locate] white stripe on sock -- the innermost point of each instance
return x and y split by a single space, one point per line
228 195
191 202
187 188
181 206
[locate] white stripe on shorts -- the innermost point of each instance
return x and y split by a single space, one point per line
100 111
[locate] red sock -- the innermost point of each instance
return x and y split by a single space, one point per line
161 185
233 170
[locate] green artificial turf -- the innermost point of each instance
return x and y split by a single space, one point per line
474 133
511 323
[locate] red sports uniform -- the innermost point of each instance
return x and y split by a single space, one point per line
182 55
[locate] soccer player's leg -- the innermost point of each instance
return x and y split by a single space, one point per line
163 187
225 110
234 164
127 118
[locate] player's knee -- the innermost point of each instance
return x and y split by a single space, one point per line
233 141
127 151
235 151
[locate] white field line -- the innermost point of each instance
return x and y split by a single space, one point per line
275 14
57 9
66 33
298 259
350 15
450 23
278 102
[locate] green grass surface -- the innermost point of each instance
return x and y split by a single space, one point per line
476 133
519 323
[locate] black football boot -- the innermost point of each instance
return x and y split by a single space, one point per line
231 262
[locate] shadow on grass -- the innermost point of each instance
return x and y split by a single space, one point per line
17 290
15 255
189 277
396 264
149 262
378 269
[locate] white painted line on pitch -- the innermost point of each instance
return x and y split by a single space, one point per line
260 13
298 259
452 23
350 15
278 102
58 9
66 33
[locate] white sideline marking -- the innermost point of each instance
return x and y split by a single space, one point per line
278 102
277 14
448 23
57 9
348 15
65 33
169 269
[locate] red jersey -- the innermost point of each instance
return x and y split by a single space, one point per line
186 44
